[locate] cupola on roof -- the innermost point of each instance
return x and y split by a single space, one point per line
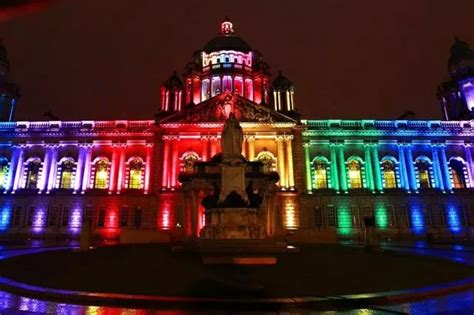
226 40
281 82
173 82
461 58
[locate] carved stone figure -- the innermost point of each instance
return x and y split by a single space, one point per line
232 138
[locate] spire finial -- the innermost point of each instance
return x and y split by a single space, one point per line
226 27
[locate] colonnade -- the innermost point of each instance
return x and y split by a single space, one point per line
82 175
407 173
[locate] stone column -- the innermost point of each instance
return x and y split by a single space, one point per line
113 168
165 184
213 146
334 173
307 163
121 168
86 180
369 177
81 157
470 164
281 161
244 149
437 168
342 168
174 163
53 168
43 180
204 148
445 168
19 168
149 149
403 168
289 162
12 167
411 168
251 142
376 170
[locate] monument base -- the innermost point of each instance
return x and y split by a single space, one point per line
232 223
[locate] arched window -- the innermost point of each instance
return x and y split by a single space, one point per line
205 89
423 168
320 173
389 176
136 168
33 168
215 86
238 85
66 173
188 160
457 173
4 168
355 173
268 160
249 89
101 173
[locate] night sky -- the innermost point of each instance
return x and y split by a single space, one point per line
91 59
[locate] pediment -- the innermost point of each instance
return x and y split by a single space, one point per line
218 108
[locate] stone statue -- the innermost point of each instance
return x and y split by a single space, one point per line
232 138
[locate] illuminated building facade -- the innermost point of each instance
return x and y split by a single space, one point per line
416 177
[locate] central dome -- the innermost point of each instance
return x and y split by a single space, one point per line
227 43
226 40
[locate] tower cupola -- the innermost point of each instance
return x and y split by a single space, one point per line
456 96
8 92
283 94
172 94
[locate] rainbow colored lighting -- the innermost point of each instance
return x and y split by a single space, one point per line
344 220
75 221
417 218
453 218
39 220
5 217
381 216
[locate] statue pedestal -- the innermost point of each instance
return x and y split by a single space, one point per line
232 223
233 179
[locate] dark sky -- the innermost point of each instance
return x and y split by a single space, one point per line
91 59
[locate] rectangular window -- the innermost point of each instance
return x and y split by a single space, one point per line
65 216
402 216
470 215
436 216
391 216
318 217
101 218
52 215
137 217
331 215
17 216
365 211
29 216
355 216
462 214
87 217
124 217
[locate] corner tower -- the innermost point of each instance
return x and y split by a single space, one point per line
456 96
8 91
